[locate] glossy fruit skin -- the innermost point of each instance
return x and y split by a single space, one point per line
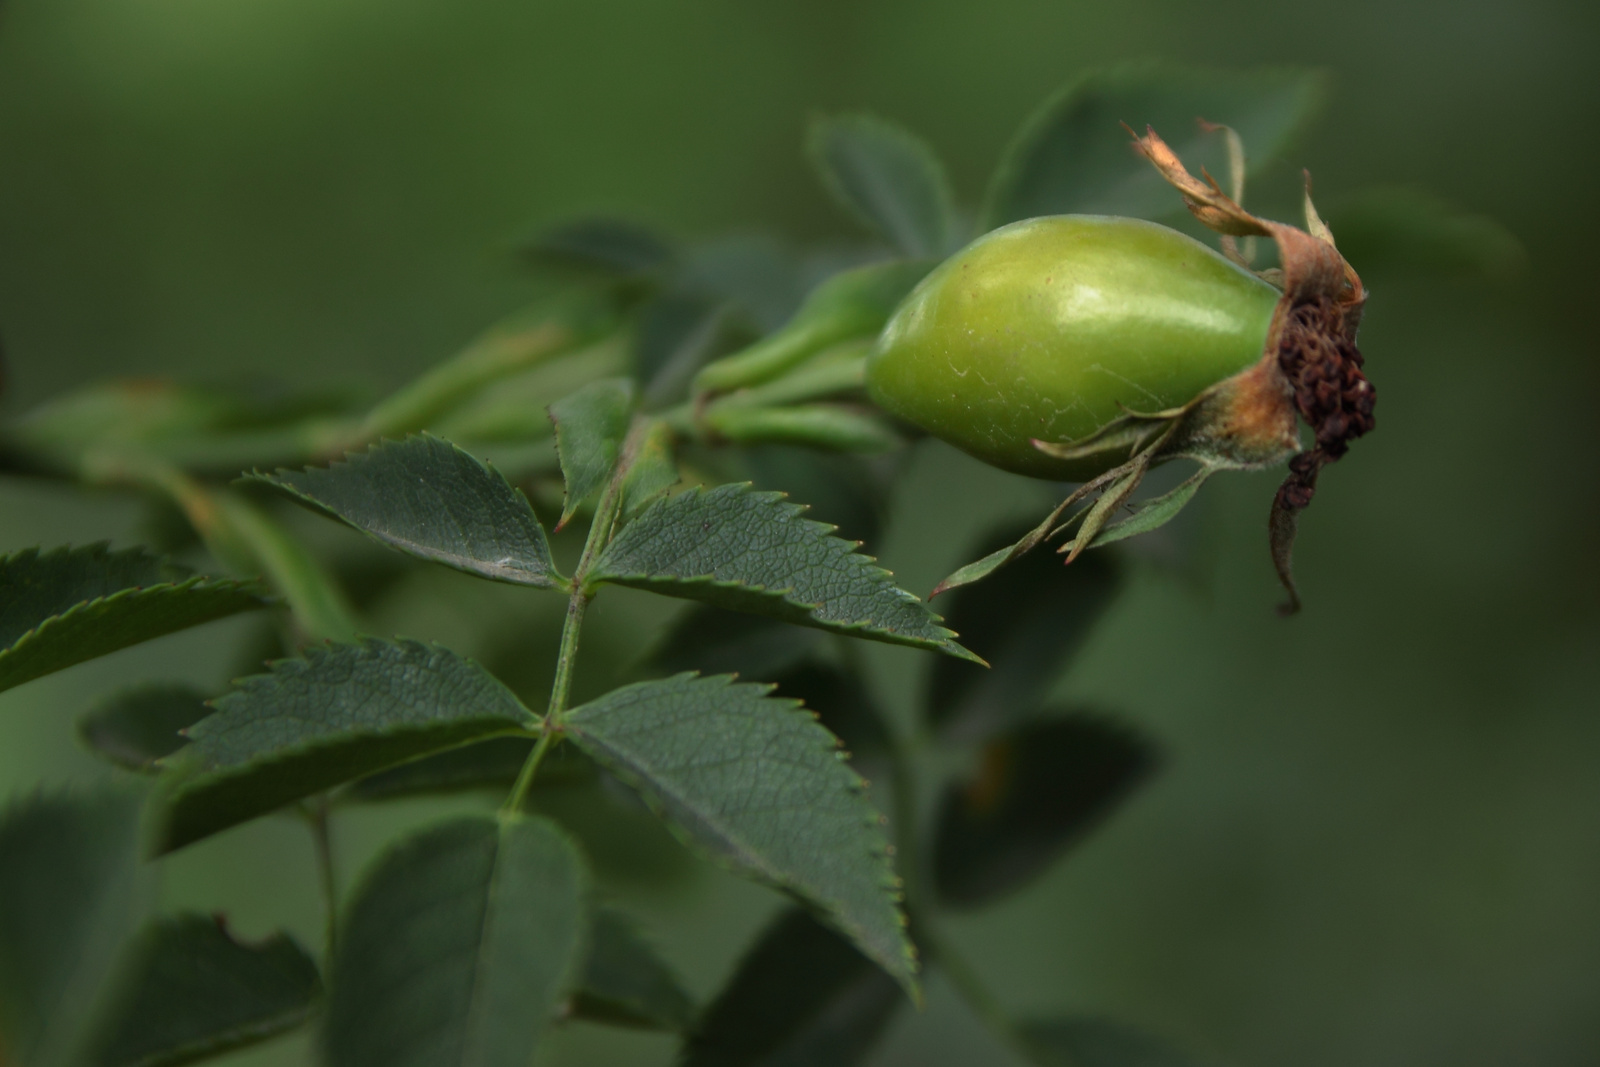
1049 327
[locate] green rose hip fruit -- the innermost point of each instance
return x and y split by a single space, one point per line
1089 348
1050 328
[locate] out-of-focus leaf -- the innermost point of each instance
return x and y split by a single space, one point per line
841 702
610 247
1407 229
1037 790
492 765
1073 155
625 982
68 605
525 339
193 425
189 991
1089 1042
342 712
590 426
749 551
753 781
713 641
677 332
654 470
515 411
1027 619
458 946
848 306
757 275
829 426
70 892
428 498
138 726
802 996
889 179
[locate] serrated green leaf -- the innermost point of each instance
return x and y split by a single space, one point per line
137 726
889 179
1408 229
428 498
71 890
457 948
1090 1042
842 703
490 765
654 470
68 605
713 641
1072 154
802 997
625 982
756 783
1037 790
341 712
749 551
590 426
189 991
1026 620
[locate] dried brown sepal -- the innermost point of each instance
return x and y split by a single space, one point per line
1311 358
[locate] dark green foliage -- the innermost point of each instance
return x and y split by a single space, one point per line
138 726
457 948
1027 619
1037 790
801 997
68 605
341 712
1083 1042
754 782
889 180
70 892
750 551
1072 154
1406 229
625 982
189 991
590 425
841 702
844 491
713 641
490 765
428 498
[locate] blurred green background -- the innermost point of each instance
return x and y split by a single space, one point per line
1377 837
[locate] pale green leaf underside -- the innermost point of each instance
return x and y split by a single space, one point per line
69 605
626 982
341 712
457 948
191 991
428 498
888 179
752 551
70 892
1073 155
590 426
755 782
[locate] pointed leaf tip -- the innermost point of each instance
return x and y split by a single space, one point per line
751 551
754 782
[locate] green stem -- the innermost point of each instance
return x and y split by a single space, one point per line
837 370
600 529
317 817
